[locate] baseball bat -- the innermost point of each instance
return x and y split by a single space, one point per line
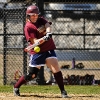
28 48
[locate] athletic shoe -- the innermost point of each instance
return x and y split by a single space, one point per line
16 91
64 94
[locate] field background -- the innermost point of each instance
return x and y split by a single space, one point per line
39 92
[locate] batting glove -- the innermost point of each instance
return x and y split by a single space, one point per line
48 36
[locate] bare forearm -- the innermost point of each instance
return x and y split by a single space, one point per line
41 40
48 28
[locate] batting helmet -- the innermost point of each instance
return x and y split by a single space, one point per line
31 10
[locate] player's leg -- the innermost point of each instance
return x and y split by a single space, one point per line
36 61
52 63
33 71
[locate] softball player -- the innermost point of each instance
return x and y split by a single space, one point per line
37 29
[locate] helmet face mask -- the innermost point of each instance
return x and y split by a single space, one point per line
32 10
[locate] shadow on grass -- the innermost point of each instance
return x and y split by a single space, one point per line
42 96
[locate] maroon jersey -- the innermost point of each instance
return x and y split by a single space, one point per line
38 30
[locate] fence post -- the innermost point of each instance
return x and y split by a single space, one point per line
40 77
4 46
24 42
40 4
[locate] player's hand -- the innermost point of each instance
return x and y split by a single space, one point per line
48 36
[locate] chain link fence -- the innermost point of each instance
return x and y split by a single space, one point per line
76 35
12 44
76 32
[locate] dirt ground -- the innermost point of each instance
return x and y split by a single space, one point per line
32 96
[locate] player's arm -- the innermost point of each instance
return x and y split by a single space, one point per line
35 40
45 38
48 32
48 28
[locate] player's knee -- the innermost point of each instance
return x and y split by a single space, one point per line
28 77
32 74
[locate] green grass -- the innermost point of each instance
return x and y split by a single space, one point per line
73 89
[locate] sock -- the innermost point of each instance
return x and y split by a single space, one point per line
20 82
59 80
